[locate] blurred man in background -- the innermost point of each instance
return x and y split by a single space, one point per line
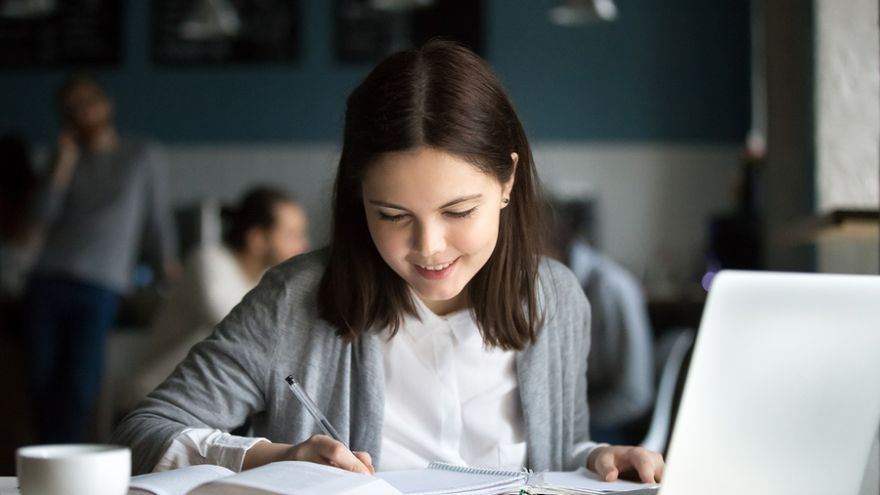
103 195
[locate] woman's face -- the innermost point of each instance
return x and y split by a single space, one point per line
434 219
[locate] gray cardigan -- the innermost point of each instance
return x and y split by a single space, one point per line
238 372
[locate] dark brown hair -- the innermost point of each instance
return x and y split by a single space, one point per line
18 184
258 208
443 96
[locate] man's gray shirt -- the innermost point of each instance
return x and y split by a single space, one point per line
94 227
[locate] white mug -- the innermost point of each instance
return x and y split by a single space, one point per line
73 469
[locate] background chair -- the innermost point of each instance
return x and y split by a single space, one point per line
674 351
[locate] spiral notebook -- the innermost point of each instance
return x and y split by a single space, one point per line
448 479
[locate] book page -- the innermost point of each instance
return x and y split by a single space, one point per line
297 478
176 482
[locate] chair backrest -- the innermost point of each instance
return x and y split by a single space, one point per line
669 392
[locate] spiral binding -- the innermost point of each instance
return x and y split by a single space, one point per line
523 473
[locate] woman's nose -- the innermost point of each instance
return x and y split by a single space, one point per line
429 239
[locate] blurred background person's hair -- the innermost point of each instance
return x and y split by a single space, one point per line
269 224
18 183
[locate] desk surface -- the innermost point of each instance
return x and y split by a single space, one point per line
8 485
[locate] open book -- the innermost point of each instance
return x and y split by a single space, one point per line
295 478
277 478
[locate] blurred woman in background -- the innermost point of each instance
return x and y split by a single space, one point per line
267 227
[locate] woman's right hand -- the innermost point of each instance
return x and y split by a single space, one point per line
319 449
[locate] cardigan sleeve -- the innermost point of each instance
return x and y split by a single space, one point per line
583 445
570 319
553 374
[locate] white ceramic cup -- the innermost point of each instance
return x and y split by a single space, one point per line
73 469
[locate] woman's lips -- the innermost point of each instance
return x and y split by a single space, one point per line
436 274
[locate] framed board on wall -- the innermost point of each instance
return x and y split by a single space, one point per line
47 33
369 30
220 32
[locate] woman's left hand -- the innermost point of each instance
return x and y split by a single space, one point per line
612 460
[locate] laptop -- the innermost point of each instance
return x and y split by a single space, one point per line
783 391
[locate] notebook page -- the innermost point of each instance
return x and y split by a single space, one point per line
586 481
444 482
176 481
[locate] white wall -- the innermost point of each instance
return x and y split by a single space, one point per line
223 172
653 198
847 105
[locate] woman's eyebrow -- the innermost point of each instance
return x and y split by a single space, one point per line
461 200
385 204
454 202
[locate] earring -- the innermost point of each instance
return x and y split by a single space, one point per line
505 200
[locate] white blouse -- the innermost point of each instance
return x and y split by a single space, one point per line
447 398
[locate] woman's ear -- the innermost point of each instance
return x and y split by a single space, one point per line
507 187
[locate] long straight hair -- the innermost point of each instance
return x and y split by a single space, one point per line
445 97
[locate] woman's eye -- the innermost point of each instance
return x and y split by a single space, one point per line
391 218
461 214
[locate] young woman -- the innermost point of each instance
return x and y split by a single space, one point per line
429 330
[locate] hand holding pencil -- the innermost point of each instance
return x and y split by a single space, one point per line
329 448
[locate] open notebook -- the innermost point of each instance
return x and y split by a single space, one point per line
295 478
447 479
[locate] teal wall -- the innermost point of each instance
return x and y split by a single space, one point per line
674 70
